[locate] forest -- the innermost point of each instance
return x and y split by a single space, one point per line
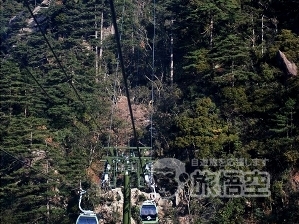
216 79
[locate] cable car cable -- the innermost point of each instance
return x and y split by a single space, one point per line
115 79
148 210
26 164
153 73
117 37
127 93
69 79
37 82
45 175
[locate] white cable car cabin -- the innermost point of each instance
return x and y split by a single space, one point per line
86 216
149 213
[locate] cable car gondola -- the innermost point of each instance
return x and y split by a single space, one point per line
149 213
87 216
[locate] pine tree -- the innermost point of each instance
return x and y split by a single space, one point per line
284 119
201 131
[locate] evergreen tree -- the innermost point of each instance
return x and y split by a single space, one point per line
201 132
285 119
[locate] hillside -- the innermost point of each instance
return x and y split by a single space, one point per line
213 84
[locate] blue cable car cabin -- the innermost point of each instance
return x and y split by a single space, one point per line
89 218
149 213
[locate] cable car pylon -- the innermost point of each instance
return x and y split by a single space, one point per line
122 161
150 206
86 216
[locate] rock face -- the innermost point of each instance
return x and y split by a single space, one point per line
289 67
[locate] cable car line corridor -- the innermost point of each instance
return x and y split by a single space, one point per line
140 171
144 166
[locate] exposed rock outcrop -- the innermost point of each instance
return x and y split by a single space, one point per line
288 67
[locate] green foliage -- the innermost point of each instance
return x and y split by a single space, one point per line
229 96
141 198
135 211
202 131
42 133
198 61
235 100
284 119
231 212
288 43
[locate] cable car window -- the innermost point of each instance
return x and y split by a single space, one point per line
87 220
148 210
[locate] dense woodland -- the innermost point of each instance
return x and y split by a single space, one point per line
227 96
